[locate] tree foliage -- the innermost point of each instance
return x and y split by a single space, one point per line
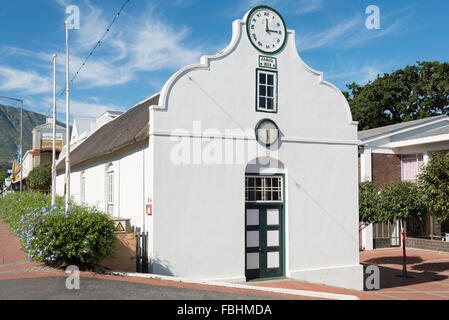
369 200
3 176
434 184
396 201
40 178
401 201
415 92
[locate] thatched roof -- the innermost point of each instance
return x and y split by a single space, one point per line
126 129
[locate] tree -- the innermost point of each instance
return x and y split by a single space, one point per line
3 176
434 185
369 200
40 178
402 201
415 92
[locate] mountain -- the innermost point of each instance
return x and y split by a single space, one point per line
10 132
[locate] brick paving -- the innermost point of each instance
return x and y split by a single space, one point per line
428 271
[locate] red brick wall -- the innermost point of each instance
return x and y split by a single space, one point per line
386 168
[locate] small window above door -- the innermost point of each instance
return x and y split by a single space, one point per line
263 189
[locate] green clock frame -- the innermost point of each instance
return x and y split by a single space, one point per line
249 37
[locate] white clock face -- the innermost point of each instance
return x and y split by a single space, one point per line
266 29
267 132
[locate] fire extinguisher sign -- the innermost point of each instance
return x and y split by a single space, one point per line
149 207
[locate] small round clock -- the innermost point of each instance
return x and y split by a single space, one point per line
266 29
267 132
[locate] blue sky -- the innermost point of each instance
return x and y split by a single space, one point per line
153 39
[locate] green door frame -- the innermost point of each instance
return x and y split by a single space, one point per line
263 271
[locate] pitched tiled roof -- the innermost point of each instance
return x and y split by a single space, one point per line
362 135
128 128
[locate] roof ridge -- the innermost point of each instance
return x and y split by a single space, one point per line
390 129
102 141
410 122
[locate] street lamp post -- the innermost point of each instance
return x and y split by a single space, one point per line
21 136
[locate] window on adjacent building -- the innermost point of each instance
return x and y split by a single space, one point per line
411 165
264 189
110 190
387 230
266 91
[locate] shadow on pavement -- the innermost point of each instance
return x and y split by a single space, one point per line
393 260
390 277
432 266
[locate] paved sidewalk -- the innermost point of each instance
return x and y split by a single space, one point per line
428 271
15 269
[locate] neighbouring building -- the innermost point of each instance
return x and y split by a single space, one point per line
244 166
84 127
394 153
42 148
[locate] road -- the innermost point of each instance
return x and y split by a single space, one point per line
53 288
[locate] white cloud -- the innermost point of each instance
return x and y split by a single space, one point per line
307 6
142 44
293 7
78 108
92 27
63 3
352 32
360 73
327 37
25 81
157 46
82 109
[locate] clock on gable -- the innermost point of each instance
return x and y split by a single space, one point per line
267 132
266 29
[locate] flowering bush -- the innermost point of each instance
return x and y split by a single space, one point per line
82 236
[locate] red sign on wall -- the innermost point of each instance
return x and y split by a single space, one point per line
149 207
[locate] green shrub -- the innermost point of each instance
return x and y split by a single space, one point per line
83 236
40 178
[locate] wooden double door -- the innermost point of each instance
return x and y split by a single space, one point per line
264 241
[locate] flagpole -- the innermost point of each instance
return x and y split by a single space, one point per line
67 121
21 144
53 164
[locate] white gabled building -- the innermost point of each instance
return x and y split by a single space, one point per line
249 160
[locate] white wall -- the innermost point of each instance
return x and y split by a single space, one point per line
129 181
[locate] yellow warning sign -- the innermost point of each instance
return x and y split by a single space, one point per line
119 227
